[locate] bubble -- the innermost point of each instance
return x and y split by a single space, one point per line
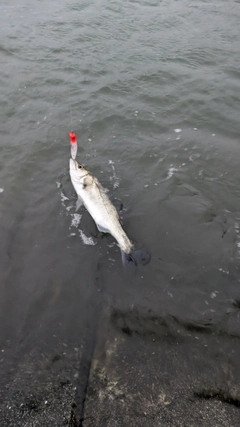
87 240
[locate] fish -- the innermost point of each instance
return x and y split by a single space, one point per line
93 196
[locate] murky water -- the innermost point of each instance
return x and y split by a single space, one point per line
152 91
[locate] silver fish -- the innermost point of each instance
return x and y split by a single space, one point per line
91 193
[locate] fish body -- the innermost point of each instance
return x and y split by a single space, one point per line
91 193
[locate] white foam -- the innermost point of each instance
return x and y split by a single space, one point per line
58 184
237 229
171 172
213 294
1 190
76 219
87 240
111 245
194 157
63 197
223 271
114 176
177 130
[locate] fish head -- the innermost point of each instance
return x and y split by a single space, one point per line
77 171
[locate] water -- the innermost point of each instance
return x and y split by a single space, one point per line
151 90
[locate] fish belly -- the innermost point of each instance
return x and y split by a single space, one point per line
97 212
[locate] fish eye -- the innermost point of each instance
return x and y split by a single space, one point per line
79 166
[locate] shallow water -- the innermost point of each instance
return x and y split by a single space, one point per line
152 91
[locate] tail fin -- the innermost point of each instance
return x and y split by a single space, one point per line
131 260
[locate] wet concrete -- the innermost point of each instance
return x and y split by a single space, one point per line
154 371
136 368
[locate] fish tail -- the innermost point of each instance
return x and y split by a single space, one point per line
132 259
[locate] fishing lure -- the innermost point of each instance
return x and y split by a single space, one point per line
73 144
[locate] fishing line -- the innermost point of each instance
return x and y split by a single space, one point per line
71 115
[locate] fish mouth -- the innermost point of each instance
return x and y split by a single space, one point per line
73 163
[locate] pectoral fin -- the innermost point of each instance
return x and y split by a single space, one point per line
79 203
102 229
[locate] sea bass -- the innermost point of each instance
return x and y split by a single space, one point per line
91 193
